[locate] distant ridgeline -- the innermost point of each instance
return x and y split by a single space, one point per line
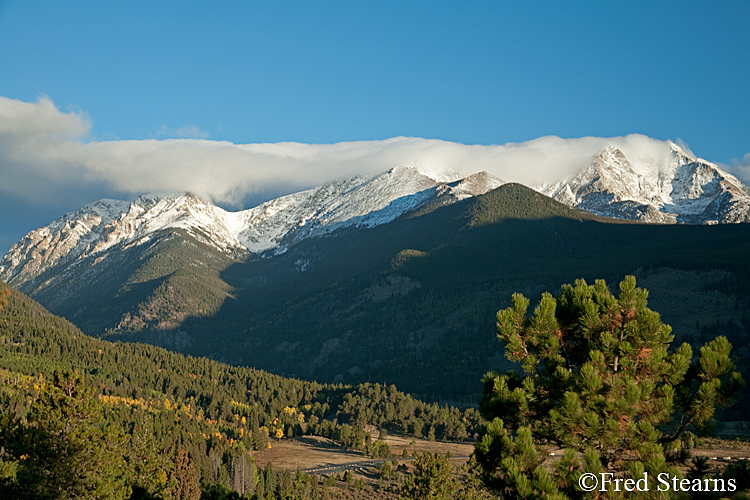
168 420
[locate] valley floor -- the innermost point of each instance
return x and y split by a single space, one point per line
313 452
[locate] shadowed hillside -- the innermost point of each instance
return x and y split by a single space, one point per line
413 302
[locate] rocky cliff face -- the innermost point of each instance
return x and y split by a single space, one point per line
67 238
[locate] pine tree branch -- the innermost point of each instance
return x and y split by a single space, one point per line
679 430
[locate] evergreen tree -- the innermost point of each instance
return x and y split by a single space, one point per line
269 476
432 478
380 449
435 479
149 468
599 381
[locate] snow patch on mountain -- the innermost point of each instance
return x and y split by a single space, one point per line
372 202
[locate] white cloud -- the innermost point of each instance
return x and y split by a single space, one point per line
740 168
40 119
44 157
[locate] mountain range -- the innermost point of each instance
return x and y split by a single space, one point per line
270 227
393 278
684 190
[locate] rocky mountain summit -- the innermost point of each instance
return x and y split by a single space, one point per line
682 190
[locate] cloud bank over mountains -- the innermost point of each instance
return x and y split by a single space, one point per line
47 155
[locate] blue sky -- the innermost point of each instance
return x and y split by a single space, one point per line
322 72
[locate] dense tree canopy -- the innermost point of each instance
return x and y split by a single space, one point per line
164 425
599 381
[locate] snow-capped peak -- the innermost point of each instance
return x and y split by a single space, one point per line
275 224
677 188
440 175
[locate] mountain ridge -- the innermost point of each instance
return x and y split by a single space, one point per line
271 226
